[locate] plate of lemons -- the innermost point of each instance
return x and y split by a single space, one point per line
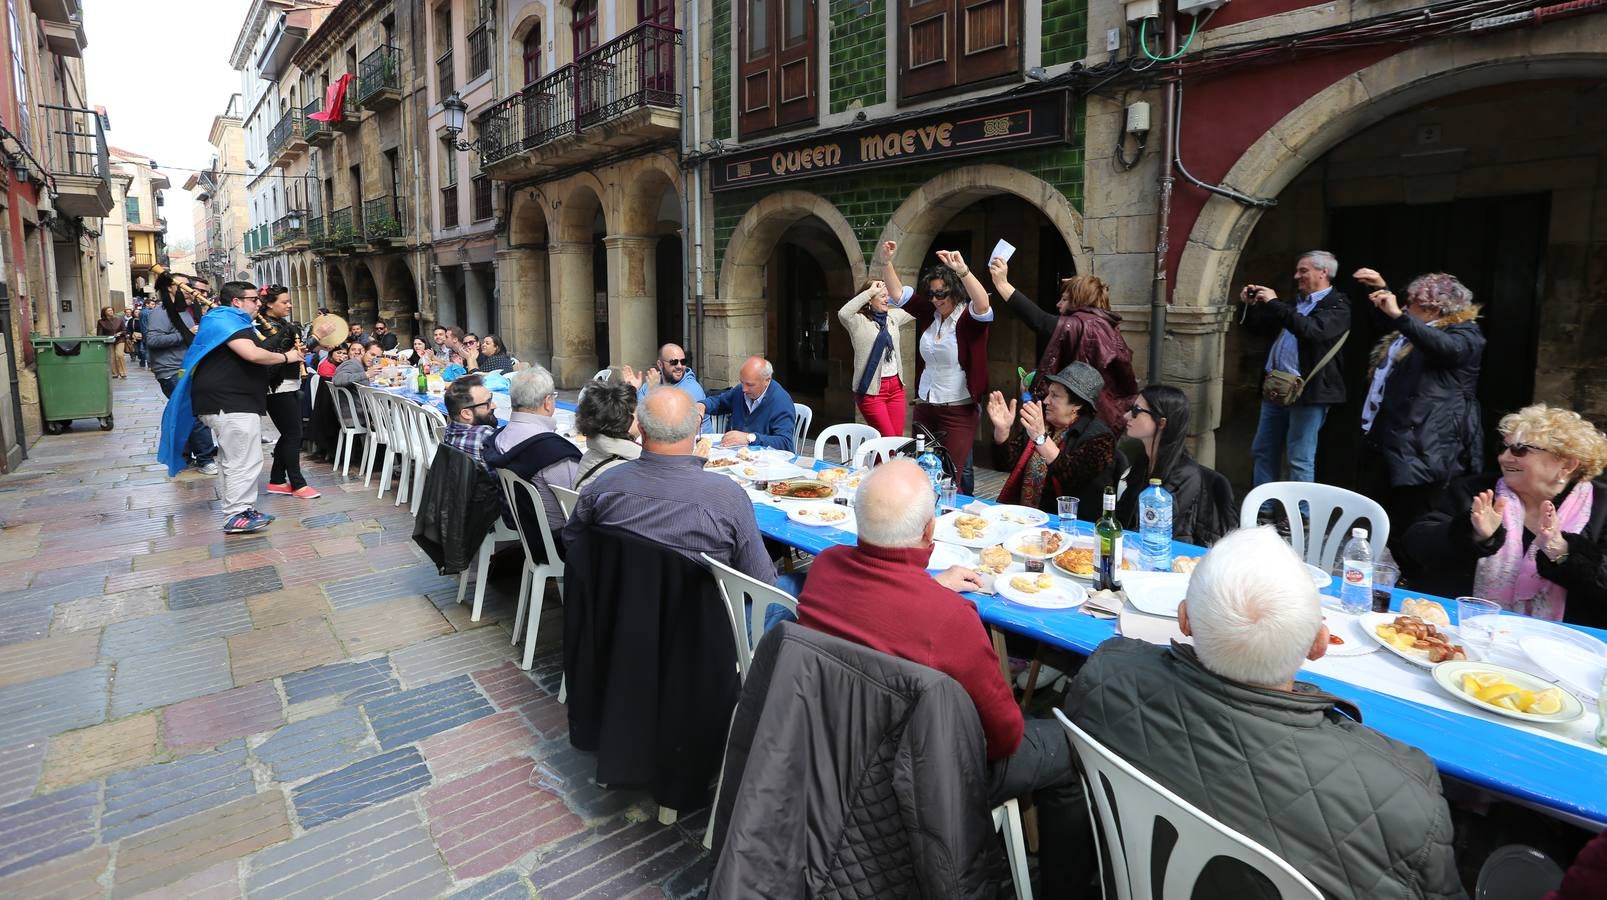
1507 691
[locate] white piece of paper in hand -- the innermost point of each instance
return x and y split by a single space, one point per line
1002 250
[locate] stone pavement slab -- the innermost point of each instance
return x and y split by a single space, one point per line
364 590
192 844
479 743
360 785
316 745
20 765
453 654
381 851
210 720
171 674
47 827
32 660
228 585
72 877
349 682
505 885
264 653
95 612
408 716
220 881
382 627
169 629
487 820
89 753
37 709
156 795
288 605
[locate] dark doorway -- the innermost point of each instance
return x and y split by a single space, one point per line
599 276
1495 246
801 328
670 300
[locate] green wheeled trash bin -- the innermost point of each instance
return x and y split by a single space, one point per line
75 380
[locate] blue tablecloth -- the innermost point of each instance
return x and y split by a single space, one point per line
1560 778
440 404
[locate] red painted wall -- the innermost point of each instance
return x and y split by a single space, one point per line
1245 10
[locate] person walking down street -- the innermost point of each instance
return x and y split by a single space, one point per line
951 370
1310 330
143 317
276 334
225 382
168 336
111 325
1085 330
1420 422
875 328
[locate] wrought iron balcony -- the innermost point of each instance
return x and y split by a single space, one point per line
287 139
318 133
316 236
290 229
341 232
78 161
379 78
351 110
639 70
383 219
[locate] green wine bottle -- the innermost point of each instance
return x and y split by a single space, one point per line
1109 532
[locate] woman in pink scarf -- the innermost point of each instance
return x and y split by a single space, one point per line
1531 539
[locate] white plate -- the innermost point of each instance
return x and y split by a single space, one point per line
1031 535
992 532
765 470
1064 594
945 555
1568 657
1349 629
1017 516
1077 575
1318 577
1369 623
1448 675
816 514
1156 593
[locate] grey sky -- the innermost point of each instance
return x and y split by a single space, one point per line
161 69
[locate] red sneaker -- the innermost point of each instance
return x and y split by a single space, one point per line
279 488
306 492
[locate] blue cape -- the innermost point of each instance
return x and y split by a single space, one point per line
216 328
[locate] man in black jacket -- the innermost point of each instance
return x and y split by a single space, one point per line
1308 328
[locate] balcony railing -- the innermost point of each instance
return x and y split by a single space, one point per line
449 206
445 81
379 76
479 51
285 231
315 232
287 135
637 69
318 133
482 198
77 157
141 260
341 231
382 219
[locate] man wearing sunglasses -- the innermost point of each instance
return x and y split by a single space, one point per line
675 370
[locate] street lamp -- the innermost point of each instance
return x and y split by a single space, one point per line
456 111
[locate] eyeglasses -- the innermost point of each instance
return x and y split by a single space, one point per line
1519 451
480 404
675 362
471 343
939 292
1135 411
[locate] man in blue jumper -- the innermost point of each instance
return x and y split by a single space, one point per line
761 411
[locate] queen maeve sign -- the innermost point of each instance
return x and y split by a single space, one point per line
1009 123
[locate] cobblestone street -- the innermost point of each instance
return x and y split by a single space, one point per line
304 711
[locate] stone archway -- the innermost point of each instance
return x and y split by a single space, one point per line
523 306
363 302
646 302
339 303
1211 255
399 300
573 257
917 220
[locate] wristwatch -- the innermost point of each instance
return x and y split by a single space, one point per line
753 438
1038 441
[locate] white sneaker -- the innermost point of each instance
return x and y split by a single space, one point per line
209 468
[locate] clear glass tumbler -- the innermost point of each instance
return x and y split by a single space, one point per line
1067 507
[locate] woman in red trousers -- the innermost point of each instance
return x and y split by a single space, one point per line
874 328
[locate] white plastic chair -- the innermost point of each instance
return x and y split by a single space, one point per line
603 375
533 582
567 498
351 426
430 424
1125 804
802 417
1322 546
737 589
398 447
379 427
409 447
500 534
882 448
848 437
312 388
717 425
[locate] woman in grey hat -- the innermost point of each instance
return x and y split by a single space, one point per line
1057 447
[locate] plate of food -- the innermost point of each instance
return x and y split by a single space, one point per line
1011 514
767 470
1414 640
821 515
1508 692
1078 559
843 479
802 489
1039 590
1347 636
1037 543
970 530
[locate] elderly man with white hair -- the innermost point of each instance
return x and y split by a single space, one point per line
529 445
1224 724
1310 330
761 411
878 594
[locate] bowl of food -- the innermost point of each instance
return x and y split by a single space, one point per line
802 489
1037 543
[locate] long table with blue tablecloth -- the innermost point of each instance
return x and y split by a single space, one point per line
1565 779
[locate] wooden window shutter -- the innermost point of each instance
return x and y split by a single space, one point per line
946 44
989 39
926 46
795 62
776 64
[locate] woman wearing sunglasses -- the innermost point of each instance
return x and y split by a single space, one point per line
1532 537
1420 421
1202 499
951 370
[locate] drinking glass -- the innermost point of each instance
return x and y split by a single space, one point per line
1068 514
948 495
1477 621
1385 576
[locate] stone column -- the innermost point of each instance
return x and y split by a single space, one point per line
477 306
574 343
733 330
522 304
632 298
446 301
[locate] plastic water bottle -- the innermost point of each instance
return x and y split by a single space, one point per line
930 464
1356 580
1155 527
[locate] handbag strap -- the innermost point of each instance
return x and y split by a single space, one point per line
1326 357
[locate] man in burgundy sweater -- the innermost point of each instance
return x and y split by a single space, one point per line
879 594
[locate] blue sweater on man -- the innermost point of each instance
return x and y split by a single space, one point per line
773 419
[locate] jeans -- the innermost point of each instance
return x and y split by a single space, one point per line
1294 426
239 458
884 410
792 583
200 448
285 411
1044 765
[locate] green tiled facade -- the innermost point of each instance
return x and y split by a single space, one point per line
858 55
868 199
722 69
1065 31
